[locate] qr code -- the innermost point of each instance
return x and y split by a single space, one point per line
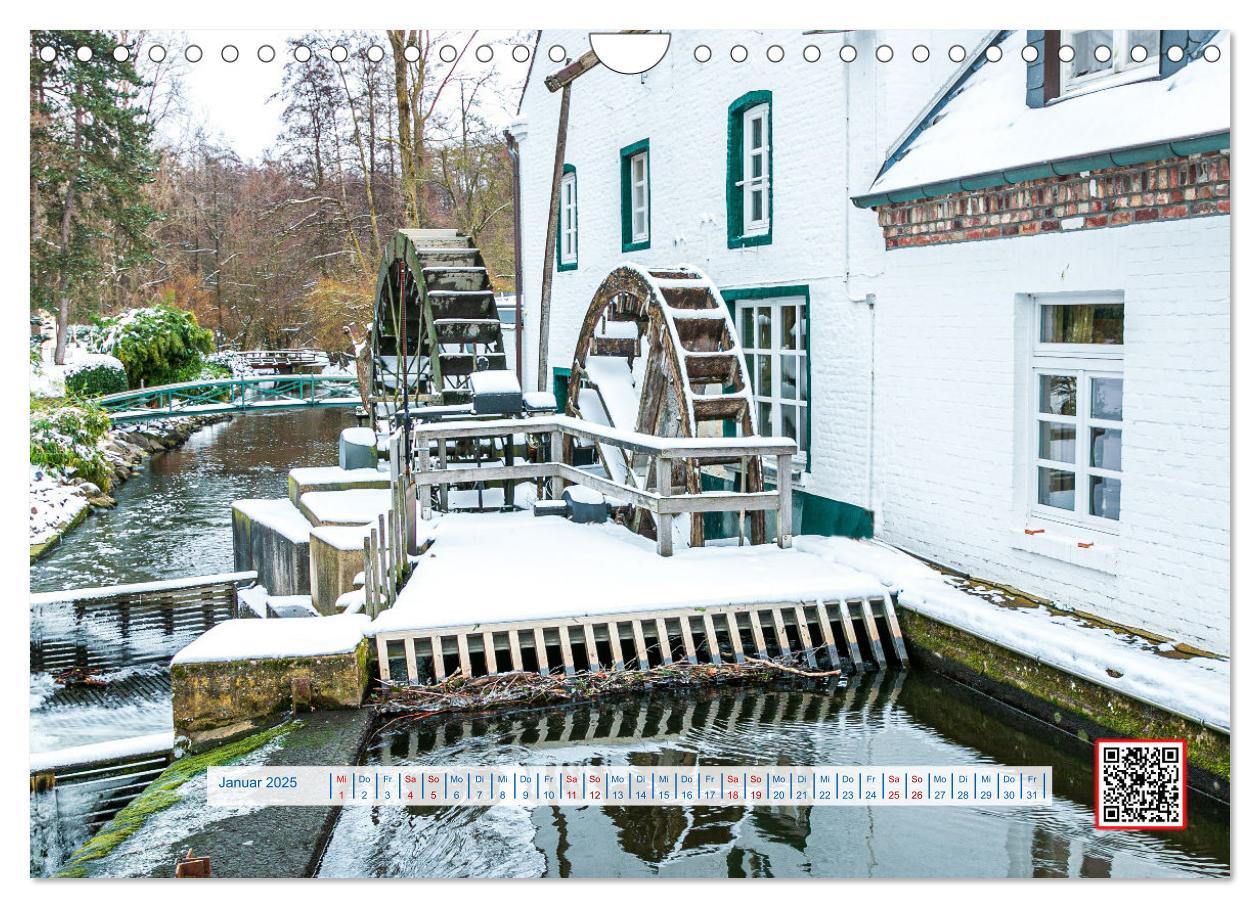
1140 784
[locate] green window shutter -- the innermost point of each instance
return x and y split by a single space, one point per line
572 266
627 228
735 238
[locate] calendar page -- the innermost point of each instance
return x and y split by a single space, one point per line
697 451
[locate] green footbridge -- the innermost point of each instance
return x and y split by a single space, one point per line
231 395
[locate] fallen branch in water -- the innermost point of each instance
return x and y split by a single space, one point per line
460 694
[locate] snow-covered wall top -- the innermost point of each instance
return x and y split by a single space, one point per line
987 125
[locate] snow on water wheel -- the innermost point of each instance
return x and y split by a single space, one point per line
437 283
657 353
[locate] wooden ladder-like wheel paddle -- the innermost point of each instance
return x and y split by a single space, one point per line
657 352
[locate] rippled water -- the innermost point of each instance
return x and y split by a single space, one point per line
905 718
174 518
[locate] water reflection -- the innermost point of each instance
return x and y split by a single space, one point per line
917 718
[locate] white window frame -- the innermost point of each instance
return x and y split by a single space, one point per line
1085 362
640 199
1121 71
750 185
568 219
752 349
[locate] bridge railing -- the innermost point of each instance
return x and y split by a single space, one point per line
664 501
105 628
221 395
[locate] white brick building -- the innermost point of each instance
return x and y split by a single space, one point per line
917 416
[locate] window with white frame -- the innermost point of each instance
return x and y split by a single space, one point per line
568 219
1103 58
755 184
640 199
774 335
1078 407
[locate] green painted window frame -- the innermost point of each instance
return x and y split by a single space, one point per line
561 265
732 296
627 229
735 238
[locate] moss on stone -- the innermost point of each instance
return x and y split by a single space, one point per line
161 793
1106 707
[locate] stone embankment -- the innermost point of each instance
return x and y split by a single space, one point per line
59 503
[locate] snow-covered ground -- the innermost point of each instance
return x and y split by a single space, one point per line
1196 687
516 567
506 567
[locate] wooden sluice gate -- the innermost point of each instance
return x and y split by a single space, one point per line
851 635
106 628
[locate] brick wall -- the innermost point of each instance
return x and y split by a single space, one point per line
1157 191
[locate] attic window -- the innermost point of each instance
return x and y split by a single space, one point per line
1102 59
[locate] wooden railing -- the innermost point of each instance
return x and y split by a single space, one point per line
664 502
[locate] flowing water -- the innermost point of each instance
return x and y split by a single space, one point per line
174 518
916 718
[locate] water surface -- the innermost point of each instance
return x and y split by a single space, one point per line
915 718
174 517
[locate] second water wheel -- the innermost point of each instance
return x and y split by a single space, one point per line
657 353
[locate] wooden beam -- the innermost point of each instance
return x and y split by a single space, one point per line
549 257
562 77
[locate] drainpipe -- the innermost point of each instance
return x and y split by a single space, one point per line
514 152
869 298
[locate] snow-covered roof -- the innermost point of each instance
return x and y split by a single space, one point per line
984 126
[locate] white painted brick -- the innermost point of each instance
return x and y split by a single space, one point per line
948 454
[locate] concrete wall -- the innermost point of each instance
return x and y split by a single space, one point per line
283 564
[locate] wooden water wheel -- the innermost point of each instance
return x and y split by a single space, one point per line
657 353
435 281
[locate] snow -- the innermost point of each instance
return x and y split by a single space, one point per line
342 538
249 638
359 435
465 499
279 514
495 381
539 400
85 360
352 602
584 495
1197 688
254 598
616 386
54 505
311 476
104 750
348 506
989 127
526 567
